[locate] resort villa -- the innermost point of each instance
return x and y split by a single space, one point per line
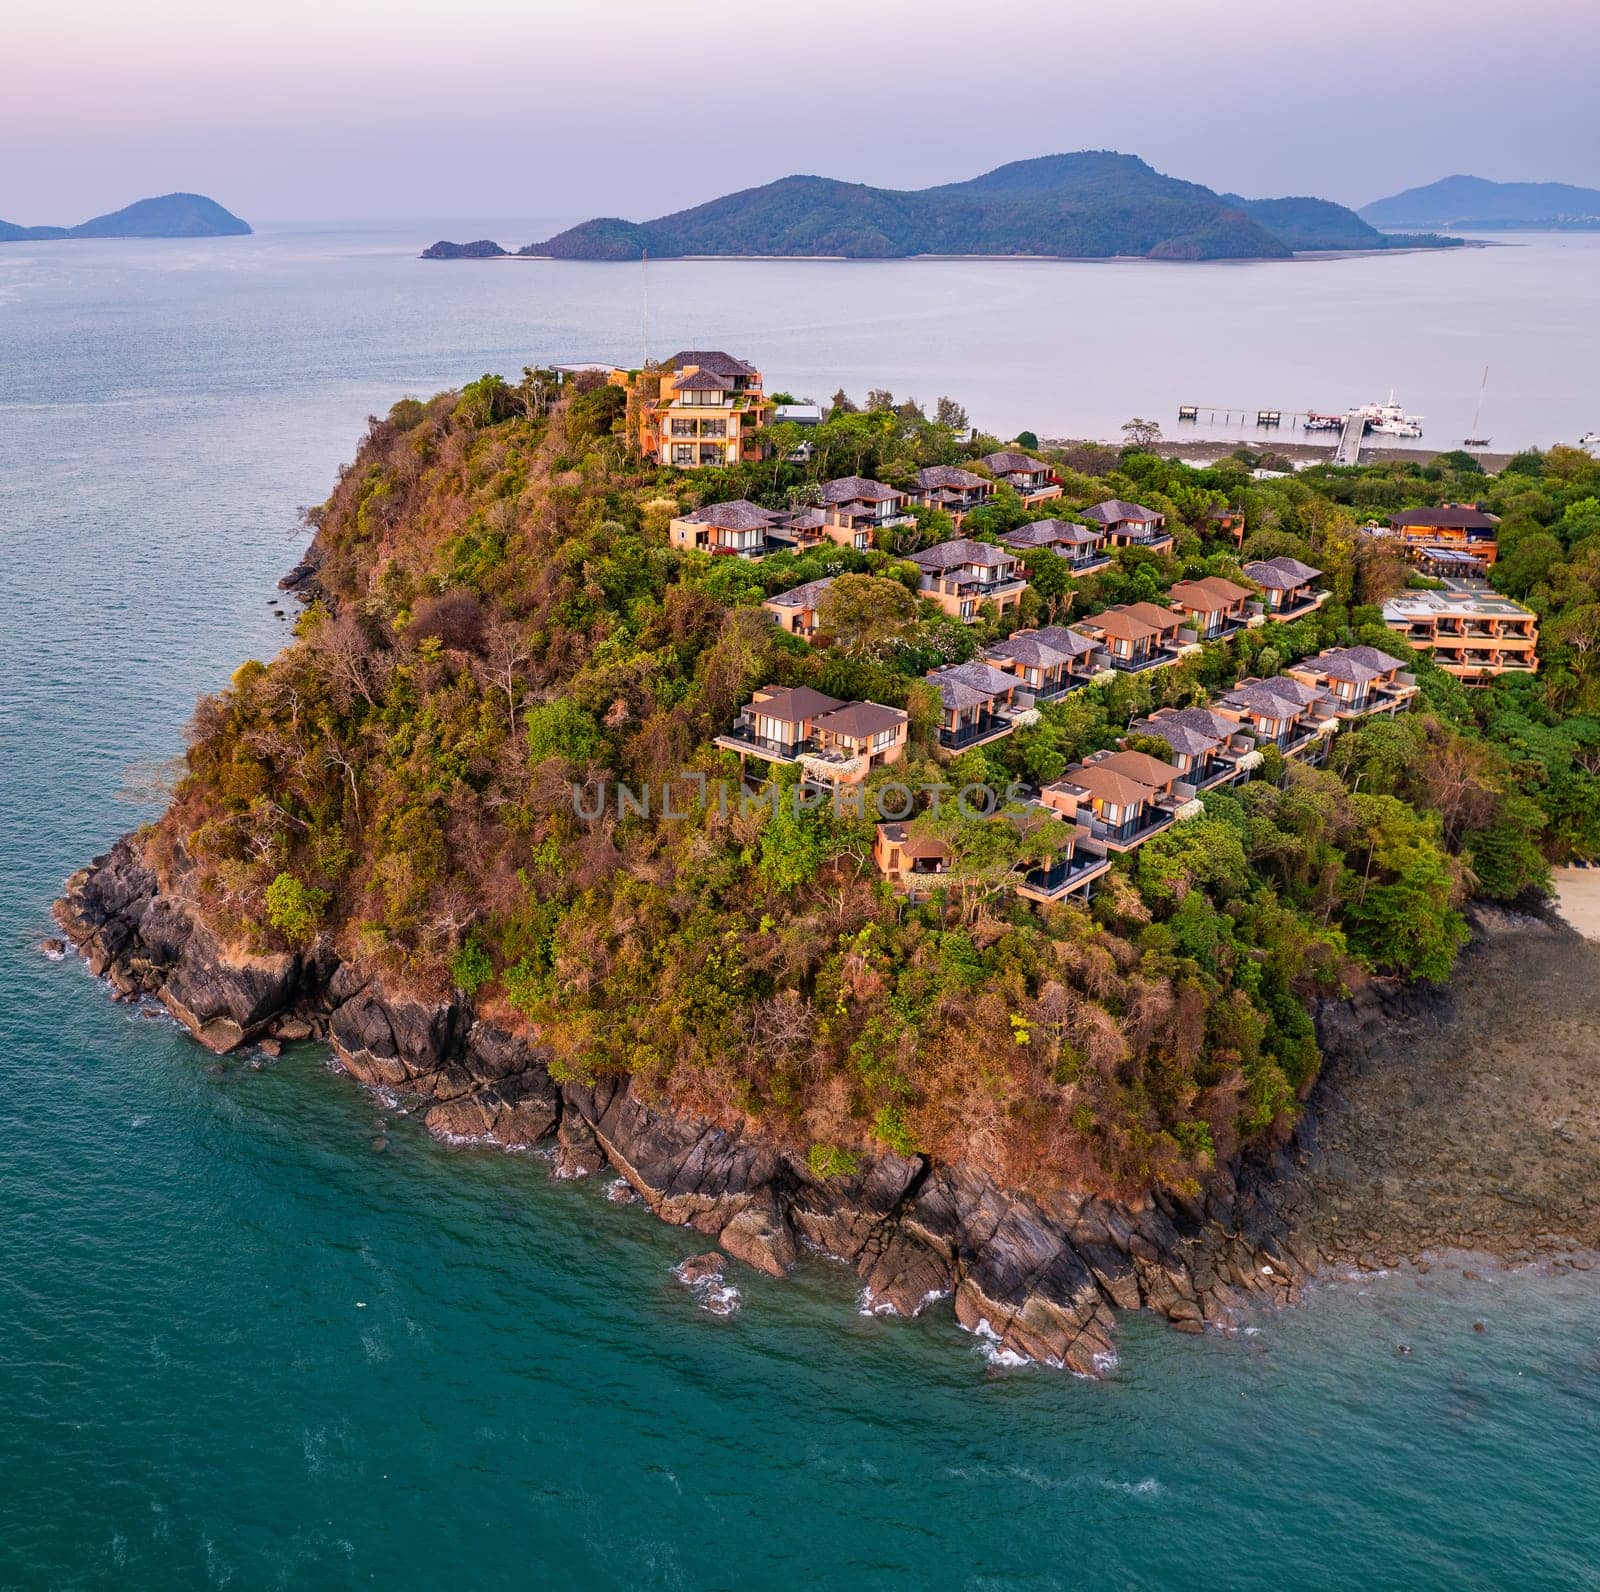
1213 607
796 609
905 858
1207 749
1032 480
1451 527
978 703
1082 546
701 407
834 742
1131 525
962 575
956 491
854 507
740 528
1135 636
1122 797
1286 587
1472 632
1362 681
1279 712
1048 662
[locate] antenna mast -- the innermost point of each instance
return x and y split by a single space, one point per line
644 261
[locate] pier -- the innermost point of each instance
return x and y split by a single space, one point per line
1227 414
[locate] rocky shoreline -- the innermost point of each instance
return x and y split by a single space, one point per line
1040 1274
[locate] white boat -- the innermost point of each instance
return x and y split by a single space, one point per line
1389 420
1590 439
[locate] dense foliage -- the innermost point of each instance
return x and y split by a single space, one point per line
500 618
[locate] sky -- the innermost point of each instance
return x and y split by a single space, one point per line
365 110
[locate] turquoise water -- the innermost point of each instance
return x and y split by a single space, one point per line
239 1346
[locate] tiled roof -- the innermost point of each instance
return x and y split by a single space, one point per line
983 675
1009 462
795 704
1029 647
806 596
1209 595
1121 624
1280 574
858 720
1047 533
1072 642
1359 665
916 845
1106 784
740 515
857 489
1159 619
703 381
956 693
951 476
1201 720
1114 512
712 359
1140 766
963 550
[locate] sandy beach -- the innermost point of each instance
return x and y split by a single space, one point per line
1578 899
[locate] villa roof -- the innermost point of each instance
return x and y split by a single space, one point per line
857 721
1158 618
956 693
1202 721
1448 516
1140 766
963 550
1359 665
1115 512
1046 533
713 360
951 476
1028 646
1120 624
984 675
795 704
1262 697
1180 737
1009 462
739 515
1106 784
1209 595
812 519
857 489
703 381
1072 642
1280 574
806 596
916 845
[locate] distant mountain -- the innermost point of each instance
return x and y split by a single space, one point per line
1093 205
1477 204
173 215
483 249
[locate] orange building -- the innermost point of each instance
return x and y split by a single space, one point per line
1451 527
1472 633
700 408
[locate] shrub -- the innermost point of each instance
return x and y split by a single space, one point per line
829 1160
472 967
295 909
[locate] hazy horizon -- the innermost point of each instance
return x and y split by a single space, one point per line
352 110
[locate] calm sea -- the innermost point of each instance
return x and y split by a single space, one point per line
239 1346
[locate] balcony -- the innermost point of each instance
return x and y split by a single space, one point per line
1135 831
742 738
1158 658
1063 687
1088 565
1064 876
986 727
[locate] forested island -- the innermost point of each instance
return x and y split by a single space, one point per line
173 215
1095 204
396 836
1484 206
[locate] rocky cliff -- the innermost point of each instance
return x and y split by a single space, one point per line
1042 1272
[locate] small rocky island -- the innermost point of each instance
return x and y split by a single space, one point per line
1052 1057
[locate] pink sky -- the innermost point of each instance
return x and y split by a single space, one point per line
356 109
